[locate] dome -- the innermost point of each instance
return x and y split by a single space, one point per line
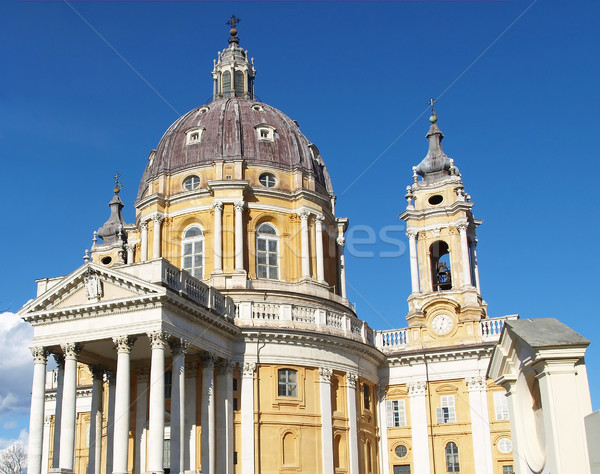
233 129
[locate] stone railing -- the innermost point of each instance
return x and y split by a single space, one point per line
491 328
253 313
392 339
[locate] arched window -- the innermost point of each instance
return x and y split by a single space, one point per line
239 83
287 380
267 252
226 84
452 457
192 251
440 266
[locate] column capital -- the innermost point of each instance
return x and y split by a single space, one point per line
239 206
158 339
411 234
325 375
416 388
158 218
462 227
191 368
144 225
97 372
304 214
319 218
130 247
40 354
179 346
351 380
475 384
124 344
341 241
218 206
71 349
208 361
142 374
248 369
225 367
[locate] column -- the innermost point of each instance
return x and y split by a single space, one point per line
60 378
341 241
178 349
122 399
239 235
418 419
110 420
156 428
351 380
304 244
130 248
382 422
224 418
207 416
480 425
189 448
414 264
473 247
319 248
464 252
156 236
144 244
142 376
218 238
46 444
36 417
247 400
95 446
68 416
326 421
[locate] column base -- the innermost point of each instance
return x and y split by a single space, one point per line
154 472
60 470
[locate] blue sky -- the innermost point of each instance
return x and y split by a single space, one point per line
520 121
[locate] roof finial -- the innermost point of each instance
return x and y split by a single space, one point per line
118 184
433 117
233 21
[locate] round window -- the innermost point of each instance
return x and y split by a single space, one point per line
191 182
435 199
505 445
106 260
267 180
401 451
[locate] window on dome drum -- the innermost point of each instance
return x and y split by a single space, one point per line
226 84
193 136
366 397
267 252
440 266
452 464
501 406
403 469
265 134
287 382
239 83
191 182
267 180
446 413
192 251
396 413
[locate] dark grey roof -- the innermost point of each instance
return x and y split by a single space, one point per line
545 332
229 132
436 165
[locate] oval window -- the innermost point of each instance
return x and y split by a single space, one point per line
106 260
267 180
191 182
435 199
401 451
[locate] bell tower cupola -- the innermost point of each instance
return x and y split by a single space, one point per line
441 230
233 73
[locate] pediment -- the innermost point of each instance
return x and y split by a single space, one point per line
88 285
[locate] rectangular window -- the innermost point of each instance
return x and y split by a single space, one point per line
235 382
501 406
507 470
446 413
396 413
403 469
366 397
168 382
235 404
166 454
288 383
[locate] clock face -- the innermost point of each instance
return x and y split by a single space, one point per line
442 324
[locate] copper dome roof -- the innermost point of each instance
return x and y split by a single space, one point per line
228 129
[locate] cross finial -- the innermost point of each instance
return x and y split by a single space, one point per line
118 184
233 21
433 117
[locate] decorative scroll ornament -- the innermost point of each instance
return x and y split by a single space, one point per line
124 343
93 285
416 388
475 383
248 369
39 354
70 350
351 380
158 339
325 374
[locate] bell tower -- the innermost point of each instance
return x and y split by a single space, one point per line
441 230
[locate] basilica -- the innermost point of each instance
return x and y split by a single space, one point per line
213 335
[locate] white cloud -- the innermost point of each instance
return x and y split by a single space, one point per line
9 425
16 365
23 440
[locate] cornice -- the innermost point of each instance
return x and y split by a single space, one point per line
446 354
438 211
